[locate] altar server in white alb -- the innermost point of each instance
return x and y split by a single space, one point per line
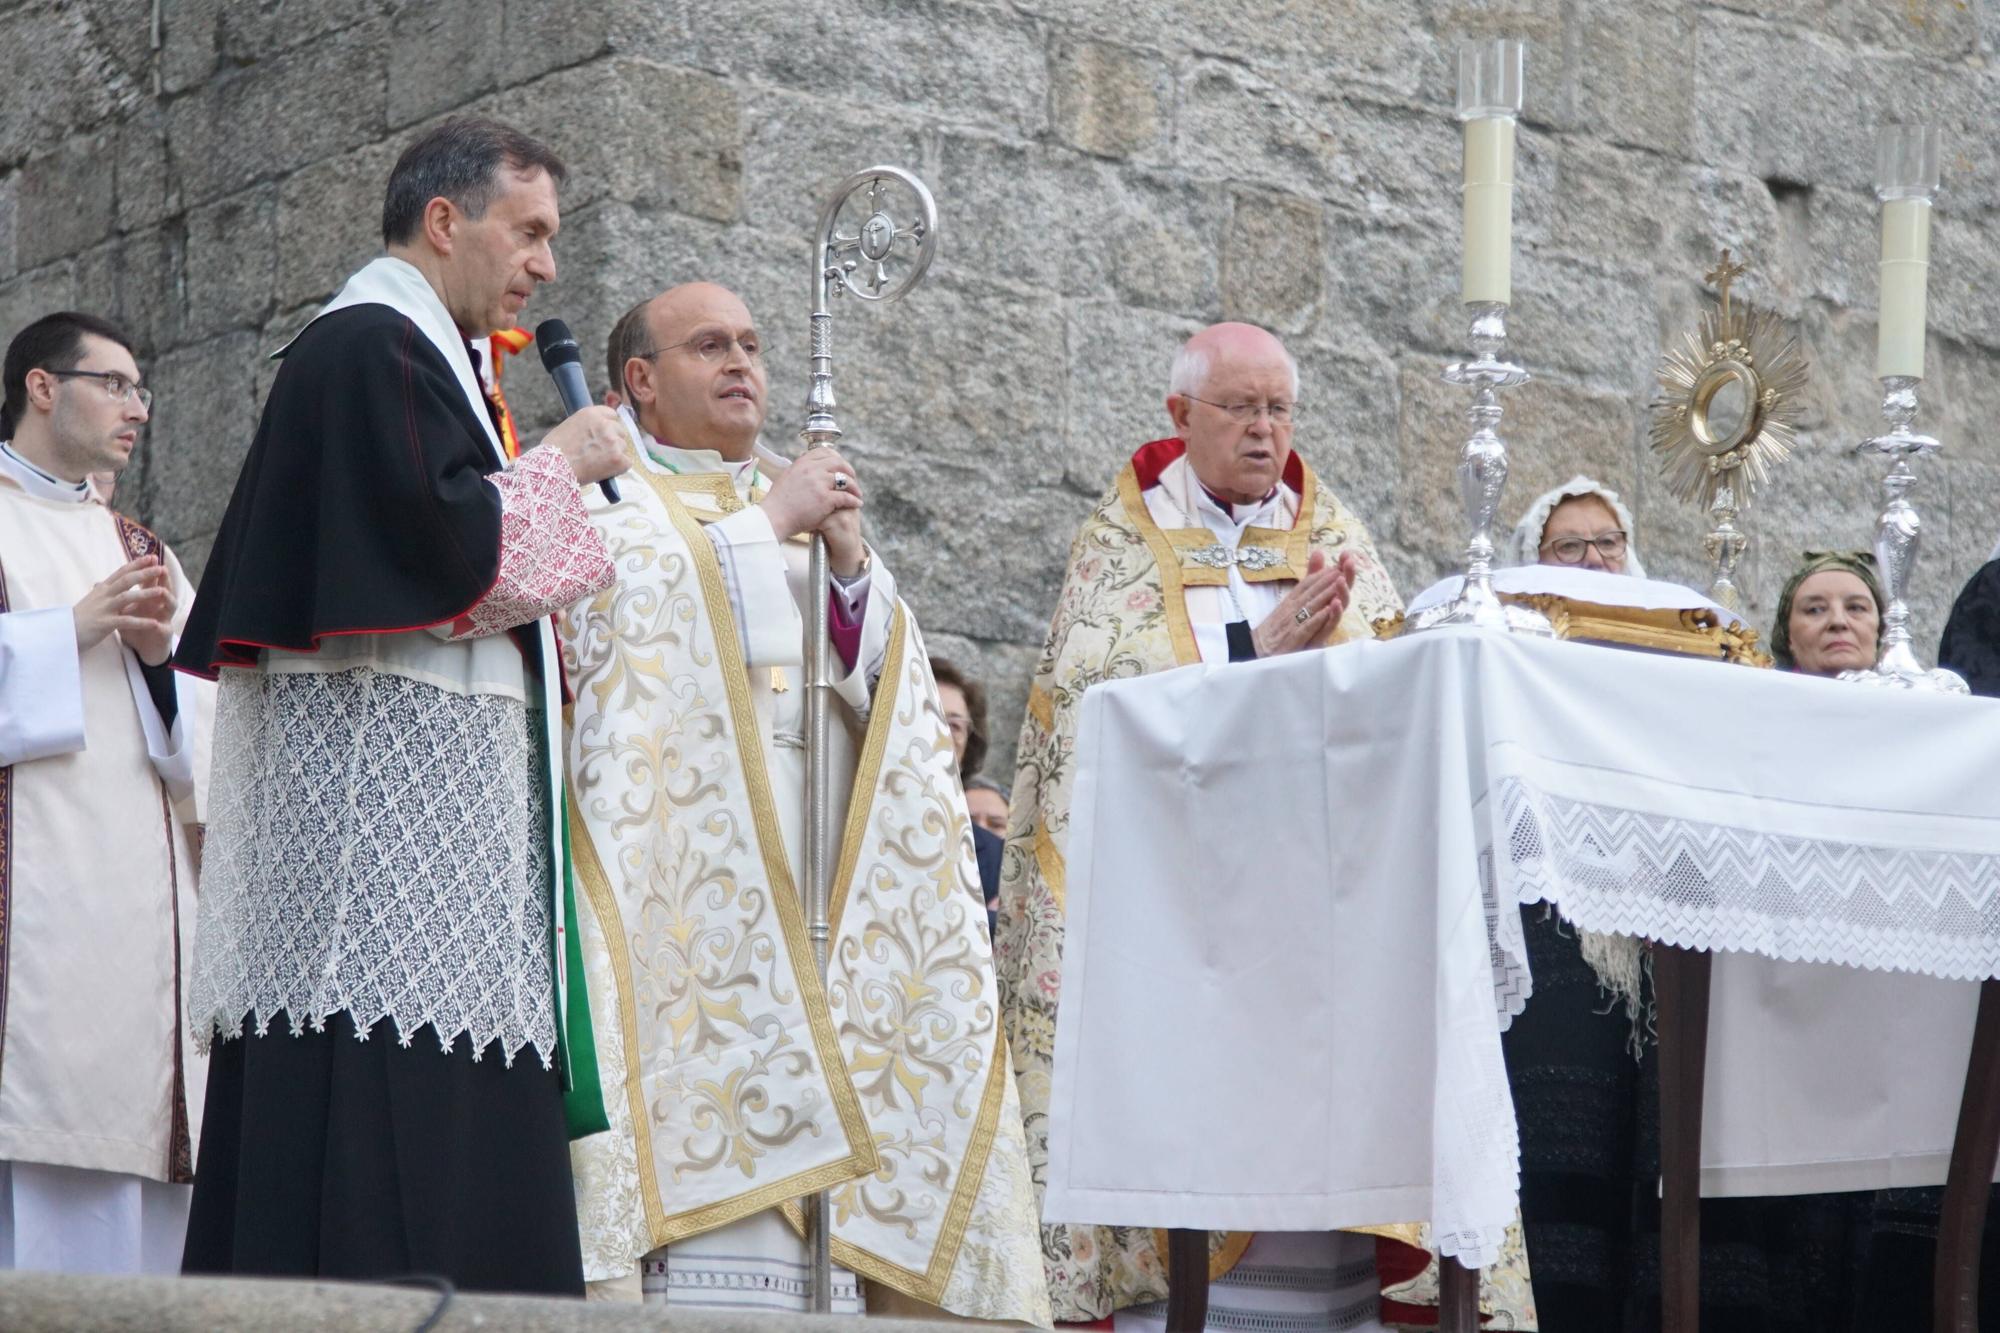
736 1082
102 752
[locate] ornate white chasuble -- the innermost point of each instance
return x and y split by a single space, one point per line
734 1079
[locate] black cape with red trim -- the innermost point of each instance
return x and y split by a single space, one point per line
362 507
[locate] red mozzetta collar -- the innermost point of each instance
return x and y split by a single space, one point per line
1152 459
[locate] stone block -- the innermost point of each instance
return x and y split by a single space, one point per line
1553 431
966 64
204 416
272 117
124 279
442 54
329 221
1629 79
976 551
147 190
232 261
1570 316
1236 125
1162 250
26 297
1738 212
1332 41
251 32
1021 212
957 371
1616 205
538 37
1274 261
1117 362
1110 100
1807 123
61 79
650 135
64 202
1965 266
1396 284
798 148
188 43
1935 29
1347 429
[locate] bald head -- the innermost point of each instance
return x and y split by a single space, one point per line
690 365
1231 396
1228 342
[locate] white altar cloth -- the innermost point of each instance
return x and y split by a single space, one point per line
1285 975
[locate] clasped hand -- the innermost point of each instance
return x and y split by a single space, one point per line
1308 613
137 603
820 493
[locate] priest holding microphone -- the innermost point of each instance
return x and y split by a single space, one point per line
374 969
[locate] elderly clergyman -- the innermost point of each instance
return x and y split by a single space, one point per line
735 1081
1216 544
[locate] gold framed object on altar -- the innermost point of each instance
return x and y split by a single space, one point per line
1696 631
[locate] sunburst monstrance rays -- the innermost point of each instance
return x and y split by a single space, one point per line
1699 449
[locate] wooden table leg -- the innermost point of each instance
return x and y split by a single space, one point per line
1969 1185
1187 1281
1680 980
1458 1297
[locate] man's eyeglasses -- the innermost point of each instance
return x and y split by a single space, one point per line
1569 550
714 347
116 387
1281 414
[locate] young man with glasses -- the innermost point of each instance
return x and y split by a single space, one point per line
100 1086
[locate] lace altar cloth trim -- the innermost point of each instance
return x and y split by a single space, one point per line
372 847
1711 886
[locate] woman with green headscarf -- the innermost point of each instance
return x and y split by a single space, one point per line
1841 1261
1830 615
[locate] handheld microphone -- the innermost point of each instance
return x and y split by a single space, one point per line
563 359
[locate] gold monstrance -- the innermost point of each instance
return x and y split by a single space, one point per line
1726 415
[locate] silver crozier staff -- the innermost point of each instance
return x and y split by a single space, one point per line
857 265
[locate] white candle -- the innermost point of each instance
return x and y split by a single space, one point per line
1489 209
1904 271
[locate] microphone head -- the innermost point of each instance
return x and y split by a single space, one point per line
556 344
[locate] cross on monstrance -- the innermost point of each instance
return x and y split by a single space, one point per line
1721 276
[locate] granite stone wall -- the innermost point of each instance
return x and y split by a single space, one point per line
1111 174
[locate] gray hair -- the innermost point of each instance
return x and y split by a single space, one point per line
1192 366
459 160
976 783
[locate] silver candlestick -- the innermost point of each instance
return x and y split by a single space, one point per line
1898 537
1482 475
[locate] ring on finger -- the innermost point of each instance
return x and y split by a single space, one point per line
840 481
1303 614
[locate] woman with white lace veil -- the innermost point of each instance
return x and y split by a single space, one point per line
1571 1056
1580 523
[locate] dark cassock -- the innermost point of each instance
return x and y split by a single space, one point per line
1971 642
380 970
